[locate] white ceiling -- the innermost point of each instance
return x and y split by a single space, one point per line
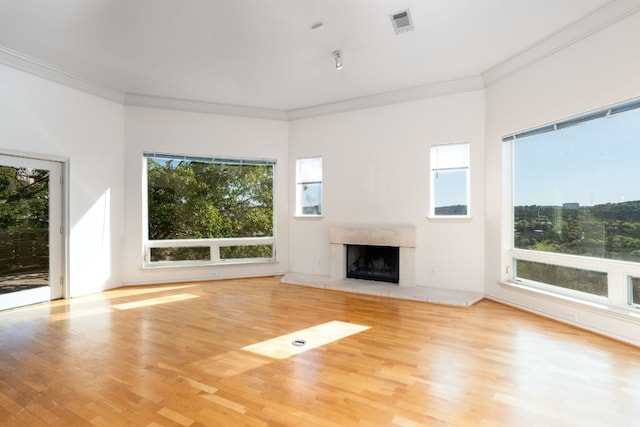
263 53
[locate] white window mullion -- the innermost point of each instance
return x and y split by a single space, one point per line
215 252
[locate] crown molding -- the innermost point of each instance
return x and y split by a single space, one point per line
55 74
136 100
601 18
405 95
50 72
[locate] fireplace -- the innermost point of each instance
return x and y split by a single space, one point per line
401 239
379 263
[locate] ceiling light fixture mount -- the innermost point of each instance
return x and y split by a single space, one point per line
337 56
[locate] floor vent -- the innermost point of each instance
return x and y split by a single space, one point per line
402 21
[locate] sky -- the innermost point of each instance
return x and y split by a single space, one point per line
450 188
592 163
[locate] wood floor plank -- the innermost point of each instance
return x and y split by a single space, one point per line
200 354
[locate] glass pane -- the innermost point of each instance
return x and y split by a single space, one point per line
310 198
567 229
635 290
240 252
450 192
576 190
24 228
309 170
200 253
591 282
450 156
194 200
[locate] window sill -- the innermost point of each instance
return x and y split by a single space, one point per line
311 217
624 313
188 265
449 218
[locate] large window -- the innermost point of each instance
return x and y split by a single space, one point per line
450 180
576 204
309 186
208 210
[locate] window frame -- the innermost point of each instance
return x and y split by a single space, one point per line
214 244
619 272
432 178
630 301
298 186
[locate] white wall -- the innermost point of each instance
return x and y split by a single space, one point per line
166 131
55 122
376 172
598 71
376 169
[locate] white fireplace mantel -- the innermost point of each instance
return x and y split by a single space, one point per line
402 237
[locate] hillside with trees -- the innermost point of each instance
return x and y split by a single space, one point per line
610 230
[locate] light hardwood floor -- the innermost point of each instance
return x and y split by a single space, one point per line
199 355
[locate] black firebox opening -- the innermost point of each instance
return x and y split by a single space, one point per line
379 263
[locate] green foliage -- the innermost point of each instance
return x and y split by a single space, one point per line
181 254
546 246
635 290
451 210
196 200
24 220
24 198
610 230
592 282
258 251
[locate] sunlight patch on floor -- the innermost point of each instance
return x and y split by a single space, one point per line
78 313
77 306
137 290
153 301
281 347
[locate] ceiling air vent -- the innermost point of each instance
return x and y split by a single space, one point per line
402 21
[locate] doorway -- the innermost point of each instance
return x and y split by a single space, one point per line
31 233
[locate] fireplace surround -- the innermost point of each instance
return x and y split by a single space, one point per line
403 238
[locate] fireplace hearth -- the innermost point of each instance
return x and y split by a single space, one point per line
378 263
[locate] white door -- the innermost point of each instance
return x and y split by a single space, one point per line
31 244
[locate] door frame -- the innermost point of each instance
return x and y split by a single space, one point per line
64 207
